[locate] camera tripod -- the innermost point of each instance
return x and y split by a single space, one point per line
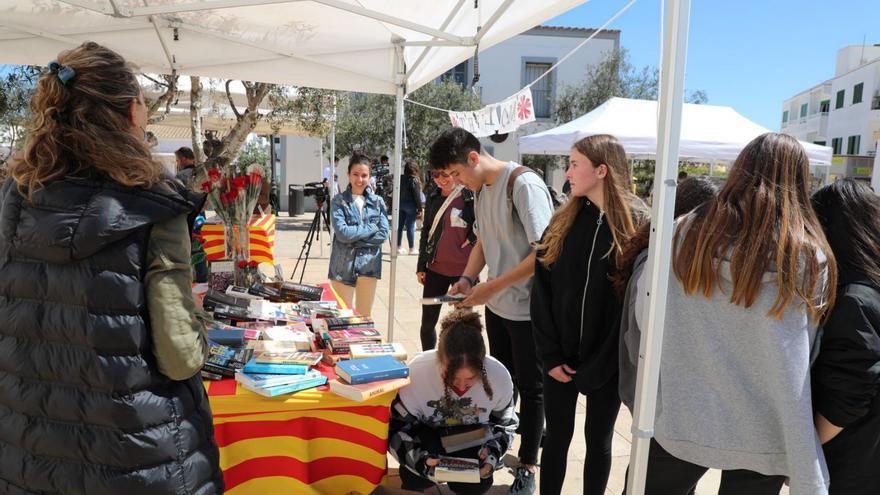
314 233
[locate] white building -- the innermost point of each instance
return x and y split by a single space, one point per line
842 112
505 68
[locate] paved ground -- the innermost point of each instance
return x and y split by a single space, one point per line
291 233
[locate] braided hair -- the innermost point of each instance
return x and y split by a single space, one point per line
461 345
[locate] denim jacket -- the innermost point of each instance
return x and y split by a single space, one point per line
357 243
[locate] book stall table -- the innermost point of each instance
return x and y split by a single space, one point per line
310 442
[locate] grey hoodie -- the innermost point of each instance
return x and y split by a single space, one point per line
735 384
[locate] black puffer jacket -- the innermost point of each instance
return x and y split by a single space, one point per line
83 408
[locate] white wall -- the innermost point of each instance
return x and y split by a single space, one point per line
301 162
855 119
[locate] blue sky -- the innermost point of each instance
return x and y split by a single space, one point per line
747 54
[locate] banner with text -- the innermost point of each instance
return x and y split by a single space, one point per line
502 117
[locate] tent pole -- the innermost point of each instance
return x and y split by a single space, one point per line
395 178
875 175
659 252
332 159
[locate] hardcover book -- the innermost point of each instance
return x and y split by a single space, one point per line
359 371
366 391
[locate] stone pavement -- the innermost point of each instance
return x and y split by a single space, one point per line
291 233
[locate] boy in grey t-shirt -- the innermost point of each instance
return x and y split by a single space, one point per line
506 228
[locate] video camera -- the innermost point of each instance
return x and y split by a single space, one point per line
320 190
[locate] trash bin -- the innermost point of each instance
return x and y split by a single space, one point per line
296 199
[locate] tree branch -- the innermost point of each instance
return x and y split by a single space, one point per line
238 115
165 99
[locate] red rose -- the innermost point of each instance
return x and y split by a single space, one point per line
206 186
214 174
240 182
256 179
242 264
253 264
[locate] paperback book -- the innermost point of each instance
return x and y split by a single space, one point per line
366 391
282 357
253 366
359 371
309 380
365 350
457 470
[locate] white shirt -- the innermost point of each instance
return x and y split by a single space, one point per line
359 201
423 397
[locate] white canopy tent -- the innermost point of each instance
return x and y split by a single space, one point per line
379 46
708 132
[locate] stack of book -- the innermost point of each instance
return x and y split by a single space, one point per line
363 379
301 292
339 334
223 361
274 372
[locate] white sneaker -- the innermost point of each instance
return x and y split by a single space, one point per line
414 252
402 250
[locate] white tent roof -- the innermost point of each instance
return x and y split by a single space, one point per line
708 132
334 44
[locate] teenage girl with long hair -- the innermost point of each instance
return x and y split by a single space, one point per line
575 312
752 277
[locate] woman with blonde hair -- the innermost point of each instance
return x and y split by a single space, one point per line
100 351
752 276
575 312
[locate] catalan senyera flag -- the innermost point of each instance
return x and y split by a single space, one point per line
310 443
262 239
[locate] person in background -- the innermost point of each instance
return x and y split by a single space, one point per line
444 246
752 276
360 226
185 159
458 384
575 312
846 375
682 175
100 347
512 209
410 207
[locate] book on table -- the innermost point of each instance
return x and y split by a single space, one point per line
365 350
345 323
265 380
462 438
286 357
359 371
367 391
310 379
457 470
253 366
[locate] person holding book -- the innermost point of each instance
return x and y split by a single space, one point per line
453 387
575 312
512 207
444 246
360 226
846 375
99 346
752 276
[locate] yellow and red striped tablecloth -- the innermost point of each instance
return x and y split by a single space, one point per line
310 443
262 239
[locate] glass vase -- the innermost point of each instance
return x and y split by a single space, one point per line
239 252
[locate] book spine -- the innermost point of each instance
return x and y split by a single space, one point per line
378 376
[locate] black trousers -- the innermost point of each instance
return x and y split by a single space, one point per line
435 285
512 343
560 403
430 441
669 475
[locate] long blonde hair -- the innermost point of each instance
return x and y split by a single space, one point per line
84 125
761 220
624 211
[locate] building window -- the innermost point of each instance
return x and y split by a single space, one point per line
836 144
824 106
785 117
857 92
542 91
804 108
852 145
840 97
820 143
457 74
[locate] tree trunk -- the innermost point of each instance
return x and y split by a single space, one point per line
195 115
232 141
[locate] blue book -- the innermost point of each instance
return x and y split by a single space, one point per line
304 384
254 367
264 380
367 370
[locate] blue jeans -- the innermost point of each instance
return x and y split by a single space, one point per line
408 212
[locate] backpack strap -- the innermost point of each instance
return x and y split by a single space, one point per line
511 180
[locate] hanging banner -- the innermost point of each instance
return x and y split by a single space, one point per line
502 117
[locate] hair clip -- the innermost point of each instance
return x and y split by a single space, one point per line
64 73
